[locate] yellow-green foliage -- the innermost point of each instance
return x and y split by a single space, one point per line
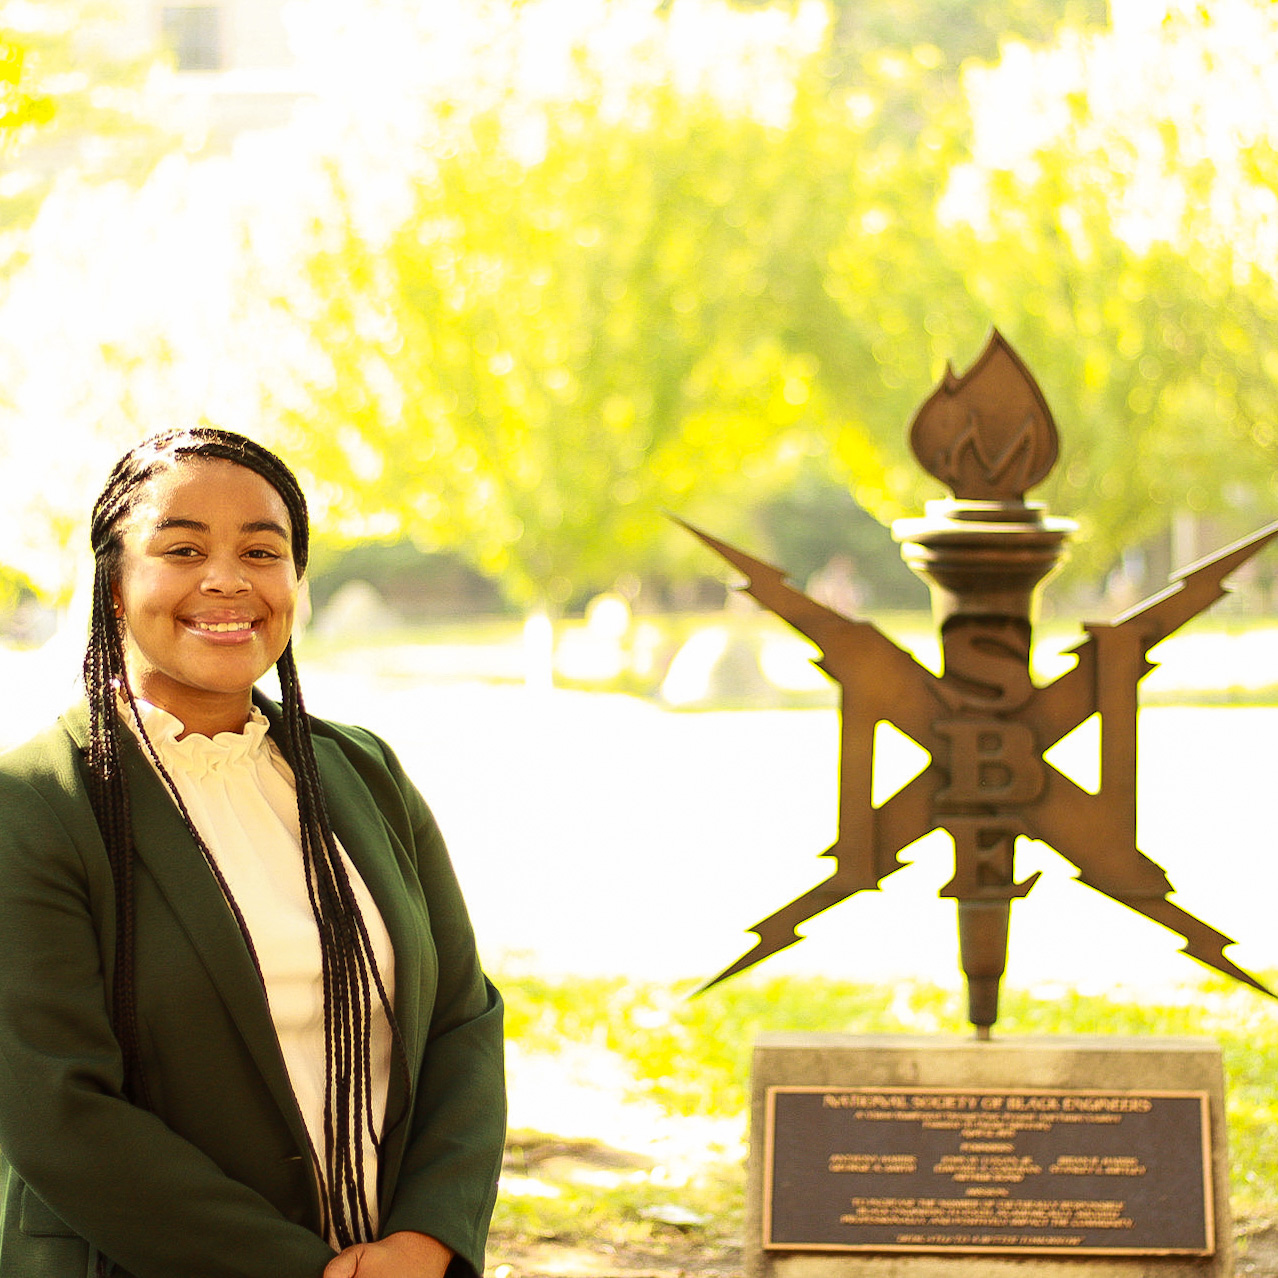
691 1055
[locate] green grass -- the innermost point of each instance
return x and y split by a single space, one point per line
691 1055
613 1217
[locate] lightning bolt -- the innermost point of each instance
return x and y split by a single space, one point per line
1201 942
905 817
871 667
769 586
779 931
1062 705
866 664
1101 681
1192 590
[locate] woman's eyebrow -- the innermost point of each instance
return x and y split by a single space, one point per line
197 525
265 525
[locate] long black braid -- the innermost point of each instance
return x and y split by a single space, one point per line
349 973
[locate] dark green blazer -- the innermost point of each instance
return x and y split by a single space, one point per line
216 1182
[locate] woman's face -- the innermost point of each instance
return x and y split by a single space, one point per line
206 589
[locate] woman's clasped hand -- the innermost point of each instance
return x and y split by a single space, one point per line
402 1255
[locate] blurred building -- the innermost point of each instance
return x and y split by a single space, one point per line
227 65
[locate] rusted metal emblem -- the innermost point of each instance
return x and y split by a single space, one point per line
985 552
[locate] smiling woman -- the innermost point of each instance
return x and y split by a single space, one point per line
206 589
244 1027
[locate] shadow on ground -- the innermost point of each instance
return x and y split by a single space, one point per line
630 1241
581 1208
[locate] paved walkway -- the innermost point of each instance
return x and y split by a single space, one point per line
600 834
603 834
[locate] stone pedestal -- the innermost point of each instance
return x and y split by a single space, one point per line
1013 1072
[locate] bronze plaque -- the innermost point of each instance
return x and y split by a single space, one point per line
987 1170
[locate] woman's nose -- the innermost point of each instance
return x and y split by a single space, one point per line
224 575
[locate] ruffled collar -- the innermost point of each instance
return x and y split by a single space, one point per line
196 754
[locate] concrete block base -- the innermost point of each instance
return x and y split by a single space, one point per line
1057 1063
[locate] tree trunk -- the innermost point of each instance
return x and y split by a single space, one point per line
539 650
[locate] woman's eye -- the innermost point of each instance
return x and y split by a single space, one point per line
262 554
181 552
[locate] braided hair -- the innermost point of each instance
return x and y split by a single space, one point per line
351 982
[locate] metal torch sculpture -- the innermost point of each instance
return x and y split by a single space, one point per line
985 552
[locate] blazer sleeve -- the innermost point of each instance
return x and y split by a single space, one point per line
111 1172
447 1181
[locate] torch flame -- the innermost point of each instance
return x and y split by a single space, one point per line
987 435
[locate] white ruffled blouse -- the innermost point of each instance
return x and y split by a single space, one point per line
242 797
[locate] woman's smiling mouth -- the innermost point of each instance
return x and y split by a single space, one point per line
220 627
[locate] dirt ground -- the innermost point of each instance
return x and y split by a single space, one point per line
1257 1249
691 1251
682 1256
550 1261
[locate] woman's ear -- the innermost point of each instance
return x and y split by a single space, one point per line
117 600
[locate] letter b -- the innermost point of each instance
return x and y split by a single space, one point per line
991 761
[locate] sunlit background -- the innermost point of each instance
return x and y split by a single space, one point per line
509 281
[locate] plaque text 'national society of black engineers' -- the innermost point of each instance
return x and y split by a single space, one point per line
935 1169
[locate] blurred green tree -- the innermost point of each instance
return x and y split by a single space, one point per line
588 314
22 109
552 349
1124 234
19 106
73 116
70 102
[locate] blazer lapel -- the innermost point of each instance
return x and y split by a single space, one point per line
375 852
364 835
165 847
